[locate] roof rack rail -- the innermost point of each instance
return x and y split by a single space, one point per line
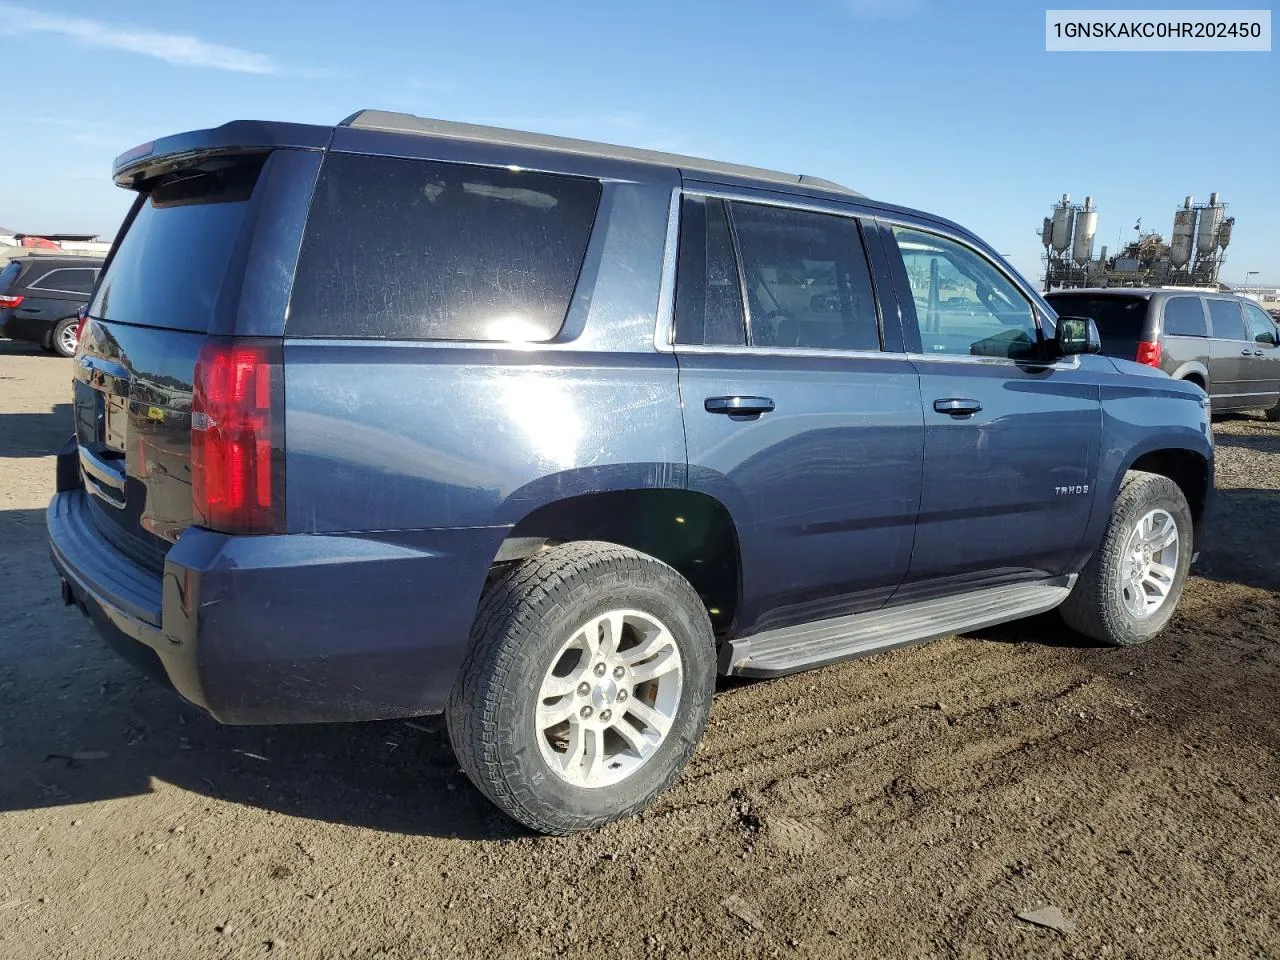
391 122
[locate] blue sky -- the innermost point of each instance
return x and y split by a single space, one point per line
953 107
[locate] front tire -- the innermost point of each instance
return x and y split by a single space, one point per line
1274 413
586 688
1130 587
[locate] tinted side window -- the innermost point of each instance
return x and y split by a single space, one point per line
1262 329
964 304
1184 317
1228 323
807 280
66 280
416 249
708 292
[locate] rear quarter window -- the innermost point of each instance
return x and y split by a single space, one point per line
422 250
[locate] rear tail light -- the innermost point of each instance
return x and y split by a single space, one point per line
83 315
237 437
1149 353
8 303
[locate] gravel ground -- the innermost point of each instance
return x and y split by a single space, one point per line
907 805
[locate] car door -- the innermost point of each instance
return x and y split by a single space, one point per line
798 416
1229 345
1262 370
1011 442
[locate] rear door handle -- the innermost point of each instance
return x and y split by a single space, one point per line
743 406
1246 352
957 406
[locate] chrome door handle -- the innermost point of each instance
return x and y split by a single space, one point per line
739 406
957 406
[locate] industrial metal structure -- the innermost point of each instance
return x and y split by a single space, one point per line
1193 257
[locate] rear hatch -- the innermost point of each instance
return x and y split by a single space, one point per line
172 278
1121 319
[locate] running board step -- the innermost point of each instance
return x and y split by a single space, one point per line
776 653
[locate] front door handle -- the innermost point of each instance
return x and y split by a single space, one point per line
739 406
957 406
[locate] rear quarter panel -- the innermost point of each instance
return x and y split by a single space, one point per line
412 435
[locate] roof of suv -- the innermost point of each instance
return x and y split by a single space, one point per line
391 122
63 259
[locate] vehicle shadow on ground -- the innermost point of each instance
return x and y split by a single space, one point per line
1259 443
35 434
15 348
78 725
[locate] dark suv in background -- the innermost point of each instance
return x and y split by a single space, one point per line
1226 345
402 416
40 297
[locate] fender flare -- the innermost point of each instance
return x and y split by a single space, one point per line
1192 368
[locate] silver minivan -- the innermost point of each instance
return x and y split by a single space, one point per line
1227 345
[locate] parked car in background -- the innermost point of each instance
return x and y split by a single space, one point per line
1224 344
40 297
404 416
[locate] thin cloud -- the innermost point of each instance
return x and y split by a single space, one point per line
171 48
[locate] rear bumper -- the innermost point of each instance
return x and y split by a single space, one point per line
283 629
30 329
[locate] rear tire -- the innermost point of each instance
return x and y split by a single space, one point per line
63 339
1274 413
1130 587
586 688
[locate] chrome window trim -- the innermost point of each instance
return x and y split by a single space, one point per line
1072 364
667 288
810 352
664 327
666 320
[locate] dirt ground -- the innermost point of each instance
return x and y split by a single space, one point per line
907 805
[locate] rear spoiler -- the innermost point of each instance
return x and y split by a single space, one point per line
147 161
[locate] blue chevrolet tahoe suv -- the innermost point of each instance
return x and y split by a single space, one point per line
402 416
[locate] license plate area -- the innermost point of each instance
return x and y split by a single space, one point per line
115 427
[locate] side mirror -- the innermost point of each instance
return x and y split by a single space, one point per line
1076 335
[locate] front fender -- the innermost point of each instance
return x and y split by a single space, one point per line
1143 415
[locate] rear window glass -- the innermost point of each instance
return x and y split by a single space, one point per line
1184 317
168 269
1121 320
415 249
1228 321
